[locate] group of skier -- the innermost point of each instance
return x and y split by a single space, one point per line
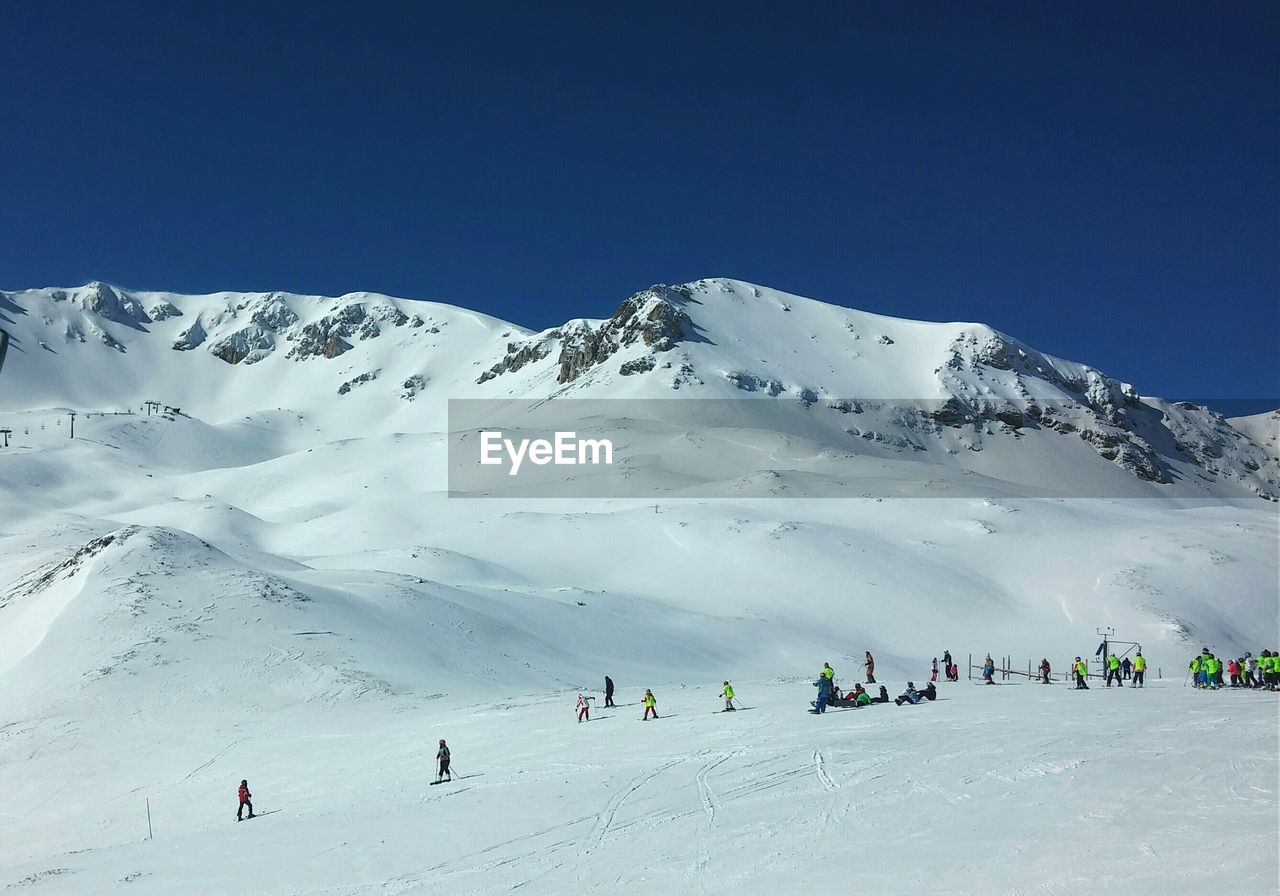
1117 670
830 695
1261 672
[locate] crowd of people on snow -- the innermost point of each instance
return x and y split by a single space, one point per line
830 695
1206 671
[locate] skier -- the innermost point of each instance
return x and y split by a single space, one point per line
584 707
1113 670
823 684
946 663
911 696
884 696
989 670
829 674
246 799
1081 668
1139 670
933 672
871 668
1233 669
650 705
442 757
1126 667
727 694
1209 671
1044 670
1193 670
608 691
1250 671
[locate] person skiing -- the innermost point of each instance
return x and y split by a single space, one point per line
1139 670
933 671
1081 668
1250 670
1233 669
608 691
246 799
1127 668
871 668
650 705
1193 669
442 758
824 686
1113 670
1044 670
727 694
829 674
584 707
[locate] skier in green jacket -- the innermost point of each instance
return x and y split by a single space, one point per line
727 694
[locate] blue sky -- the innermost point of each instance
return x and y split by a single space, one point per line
1100 180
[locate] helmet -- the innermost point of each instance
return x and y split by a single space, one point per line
726 682
442 741
911 684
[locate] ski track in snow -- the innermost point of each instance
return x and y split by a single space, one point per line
823 777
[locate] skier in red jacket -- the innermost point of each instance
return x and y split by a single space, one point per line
245 800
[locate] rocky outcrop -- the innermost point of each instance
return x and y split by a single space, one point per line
651 318
360 380
192 337
248 345
107 303
520 355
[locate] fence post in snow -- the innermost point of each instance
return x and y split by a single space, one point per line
149 836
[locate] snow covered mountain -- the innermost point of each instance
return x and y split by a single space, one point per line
267 561
938 394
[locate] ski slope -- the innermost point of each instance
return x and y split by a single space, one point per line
273 576
1017 788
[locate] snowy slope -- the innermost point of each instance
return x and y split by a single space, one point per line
267 577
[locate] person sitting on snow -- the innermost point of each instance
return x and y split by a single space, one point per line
911 696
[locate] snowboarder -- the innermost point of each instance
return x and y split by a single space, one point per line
584 707
1139 670
650 705
1127 668
871 668
442 757
727 694
246 799
823 684
608 691
1044 670
933 671
1113 670
1081 668
911 695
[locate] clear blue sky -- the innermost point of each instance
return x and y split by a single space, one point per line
1100 180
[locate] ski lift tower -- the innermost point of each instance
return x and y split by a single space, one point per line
1109 642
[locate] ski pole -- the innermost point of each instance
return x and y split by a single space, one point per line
739 703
